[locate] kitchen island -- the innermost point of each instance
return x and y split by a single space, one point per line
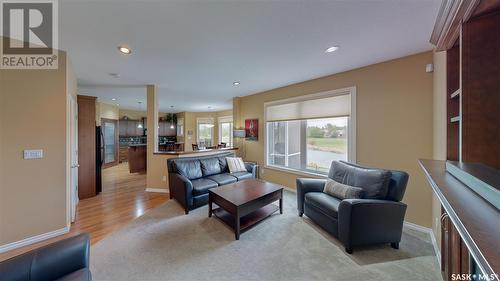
137 162
137 154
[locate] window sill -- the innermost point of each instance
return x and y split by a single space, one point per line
296 172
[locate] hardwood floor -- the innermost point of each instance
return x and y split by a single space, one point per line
123 199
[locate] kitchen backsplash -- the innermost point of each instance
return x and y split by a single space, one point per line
143 140
133 140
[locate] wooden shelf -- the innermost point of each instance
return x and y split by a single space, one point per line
455 94
474 218
455 119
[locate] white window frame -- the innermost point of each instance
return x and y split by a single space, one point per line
180 127
351 125
204 120
226 119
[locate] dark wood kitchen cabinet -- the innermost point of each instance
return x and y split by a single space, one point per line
122 125
131 128
86 146
454 252
123 153
165 130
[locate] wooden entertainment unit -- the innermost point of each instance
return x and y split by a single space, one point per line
470 226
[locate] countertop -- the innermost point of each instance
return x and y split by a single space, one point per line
145 144
475 219
186 153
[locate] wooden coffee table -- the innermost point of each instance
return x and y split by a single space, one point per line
245 203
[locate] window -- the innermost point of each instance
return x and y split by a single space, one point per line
180 127
205 131
226 130
308 133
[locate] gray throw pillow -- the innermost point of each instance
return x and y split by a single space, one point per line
342 191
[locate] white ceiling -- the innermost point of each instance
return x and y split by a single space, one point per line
194 50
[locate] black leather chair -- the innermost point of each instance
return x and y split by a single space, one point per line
356 222
67 259
190 178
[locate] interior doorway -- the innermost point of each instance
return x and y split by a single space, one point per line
73 111
109 142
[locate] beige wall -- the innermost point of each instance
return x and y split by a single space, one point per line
439 130
33 192
132 114
394 122
108 111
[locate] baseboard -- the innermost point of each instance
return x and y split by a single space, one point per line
429 231
290 189
157 190
32 240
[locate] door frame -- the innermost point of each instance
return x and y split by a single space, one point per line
117 148
72 124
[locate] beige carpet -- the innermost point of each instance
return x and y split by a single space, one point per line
165 244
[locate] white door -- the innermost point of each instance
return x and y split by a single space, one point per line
74 157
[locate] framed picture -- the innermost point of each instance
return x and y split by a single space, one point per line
252 129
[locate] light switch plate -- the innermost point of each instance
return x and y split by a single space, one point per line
33 154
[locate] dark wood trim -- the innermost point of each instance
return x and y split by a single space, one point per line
117 142
475 220
86 147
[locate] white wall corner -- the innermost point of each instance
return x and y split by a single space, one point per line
428 231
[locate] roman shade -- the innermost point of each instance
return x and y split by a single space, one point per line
322 107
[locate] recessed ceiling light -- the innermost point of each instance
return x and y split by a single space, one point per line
171 106
113 99
117 104
124 50
236 83
114 75
332 49
139 102
209 107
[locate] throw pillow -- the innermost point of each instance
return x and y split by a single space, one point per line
342 191
235 164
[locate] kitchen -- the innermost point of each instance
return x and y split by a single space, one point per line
133 138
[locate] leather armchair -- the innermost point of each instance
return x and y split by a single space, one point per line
304 186
356 222
370 221
67 259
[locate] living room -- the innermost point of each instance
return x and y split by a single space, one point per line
264 140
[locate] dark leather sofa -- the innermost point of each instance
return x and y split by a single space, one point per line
190 178
67 259
356 222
